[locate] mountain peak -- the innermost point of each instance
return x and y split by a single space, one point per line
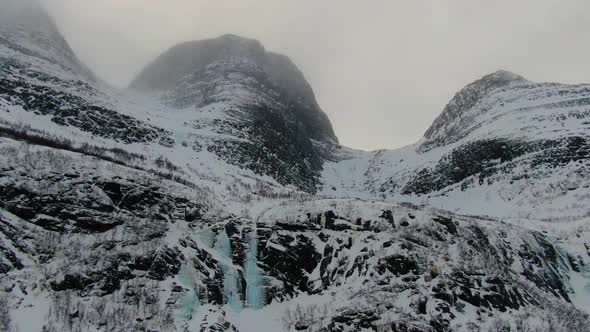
232 38
483 86
189 57
501 77
461 104
195 68
260 101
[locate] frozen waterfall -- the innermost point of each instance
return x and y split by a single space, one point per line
254 292
231 283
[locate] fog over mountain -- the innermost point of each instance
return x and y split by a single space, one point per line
370 63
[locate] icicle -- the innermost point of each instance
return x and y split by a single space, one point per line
254 291
562 260
190 301
230 280
207 236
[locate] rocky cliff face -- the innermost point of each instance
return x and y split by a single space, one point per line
186 205
133 252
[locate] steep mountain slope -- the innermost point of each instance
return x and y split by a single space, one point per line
40 74
258 100
26 28
185 205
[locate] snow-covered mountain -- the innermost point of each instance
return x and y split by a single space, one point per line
259 101
213 195
503 147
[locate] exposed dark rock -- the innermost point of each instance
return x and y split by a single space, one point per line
487 157
297 227
388 216
94 226
110 279
47 222
422 305
479 157
293 268
9 260
94 119
448 223
357 320
404 326
398 265
71 282
164 263
359 265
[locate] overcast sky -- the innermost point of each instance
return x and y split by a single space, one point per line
382 69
